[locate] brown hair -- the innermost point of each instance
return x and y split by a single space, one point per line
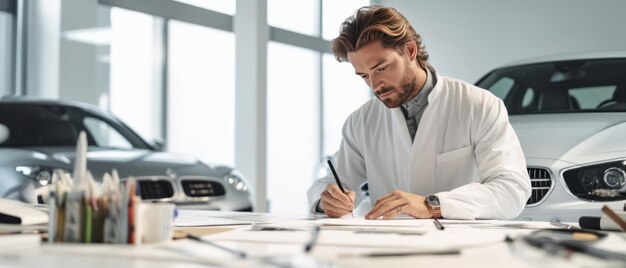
376 23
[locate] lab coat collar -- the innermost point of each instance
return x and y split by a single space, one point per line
437 88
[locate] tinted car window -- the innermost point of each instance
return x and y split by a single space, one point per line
37 126
55 125
566 86
105 135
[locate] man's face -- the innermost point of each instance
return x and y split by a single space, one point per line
387 72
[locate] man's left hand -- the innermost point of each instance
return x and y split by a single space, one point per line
398 202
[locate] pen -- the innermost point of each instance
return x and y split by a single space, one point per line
314 235
438 224
330 164
563 225
409 253
241 254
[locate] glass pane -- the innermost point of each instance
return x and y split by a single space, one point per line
222 6
529 95
133 75
6 53
292 127
335 12
201 92
502 88
105 135
592 97
344 92
297 16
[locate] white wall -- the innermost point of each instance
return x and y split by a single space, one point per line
466 39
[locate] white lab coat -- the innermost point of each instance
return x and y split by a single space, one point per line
465 151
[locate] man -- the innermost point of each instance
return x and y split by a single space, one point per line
428 146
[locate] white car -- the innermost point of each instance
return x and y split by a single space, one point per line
569 113
39 136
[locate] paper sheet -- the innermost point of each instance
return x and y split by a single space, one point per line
189 218
412 222
361 221
420 238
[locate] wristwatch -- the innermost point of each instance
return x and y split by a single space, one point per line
432 201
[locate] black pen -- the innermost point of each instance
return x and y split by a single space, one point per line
438 224
330 164
314 235
408 253
241 254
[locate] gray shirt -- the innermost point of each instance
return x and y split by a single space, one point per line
414 108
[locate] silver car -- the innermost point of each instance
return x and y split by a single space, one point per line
37 137
569 113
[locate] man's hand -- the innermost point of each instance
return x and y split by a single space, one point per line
398 202
335 203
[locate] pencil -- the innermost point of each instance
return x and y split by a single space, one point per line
330 164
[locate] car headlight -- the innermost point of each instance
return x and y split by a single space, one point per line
41 174
600 182
237 181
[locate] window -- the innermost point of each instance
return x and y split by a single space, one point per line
344 92
293 125
130 73
572 86
502 88
222 6
201 92
529 95
335 12
592 97
105 135
297 16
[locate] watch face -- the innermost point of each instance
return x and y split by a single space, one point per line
433 200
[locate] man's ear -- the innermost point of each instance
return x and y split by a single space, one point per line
410 49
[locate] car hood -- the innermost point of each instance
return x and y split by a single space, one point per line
574 137
134 162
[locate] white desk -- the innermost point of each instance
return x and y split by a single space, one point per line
283 252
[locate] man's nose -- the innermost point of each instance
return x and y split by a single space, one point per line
376 85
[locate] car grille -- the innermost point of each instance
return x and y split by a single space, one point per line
541 182
155 189
202 188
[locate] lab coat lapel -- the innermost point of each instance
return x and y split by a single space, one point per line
402 149
422 164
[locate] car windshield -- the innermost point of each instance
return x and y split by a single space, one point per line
597 85
52 125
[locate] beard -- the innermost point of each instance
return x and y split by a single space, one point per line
408 86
